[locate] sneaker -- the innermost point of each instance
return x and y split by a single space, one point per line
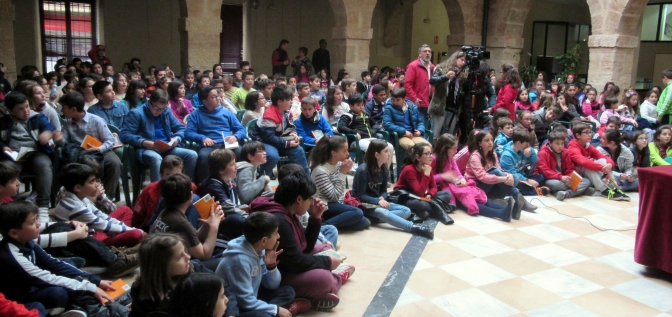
612 195
299 306
43 215
73 313
338 246
119 268
543 191
423 231
624 196
344 271
325 302
590 191
561 195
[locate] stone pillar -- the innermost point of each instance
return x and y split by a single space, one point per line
505 29
201 30
465 19
7 52
351 35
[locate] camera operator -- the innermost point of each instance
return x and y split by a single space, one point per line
508 91
476 89
447 78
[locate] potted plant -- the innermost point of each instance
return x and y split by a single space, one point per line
569 62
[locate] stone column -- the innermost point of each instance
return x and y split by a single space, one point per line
465 19
505 30
7 53
200 38
351 35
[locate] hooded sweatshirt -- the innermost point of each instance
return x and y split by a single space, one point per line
294 241
500 141
513 162
245 271
548 163
249 186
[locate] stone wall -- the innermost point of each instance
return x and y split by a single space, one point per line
7 54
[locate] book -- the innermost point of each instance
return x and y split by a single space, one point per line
120 289
332 252
227 145
20 155
90 142
317 134
117 141
204 205
575 180
162 146
420 198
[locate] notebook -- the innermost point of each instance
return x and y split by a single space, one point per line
162 146
203 206
575 180
120 288
332 252
20 155
90 142
317 134
227 145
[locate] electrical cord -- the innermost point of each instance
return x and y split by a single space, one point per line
596 227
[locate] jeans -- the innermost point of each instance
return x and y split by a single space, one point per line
93 251
295 154
153 159
111 171
396 216
625 185
50 297
344 217
527 190
330 234
499 189
281 297
39 164
41 311
446 123
203 172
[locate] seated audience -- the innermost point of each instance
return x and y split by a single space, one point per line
625 174
108 108
404 118
557 167
660 150
180 105
309 121
250 185
520 160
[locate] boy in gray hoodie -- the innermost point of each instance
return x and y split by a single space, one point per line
249 185
250 266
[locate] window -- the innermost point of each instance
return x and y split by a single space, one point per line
657 25
550 39
68 30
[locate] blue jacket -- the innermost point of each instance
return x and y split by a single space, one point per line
304 129
513 162
37 123
139 127
500 141
393 118
375 112
245 271
204 124
319 96
114 115
27 268
272 126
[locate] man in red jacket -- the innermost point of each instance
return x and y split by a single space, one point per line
97 54
416 82
592 164
557 168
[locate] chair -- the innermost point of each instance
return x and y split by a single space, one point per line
123 153
239 115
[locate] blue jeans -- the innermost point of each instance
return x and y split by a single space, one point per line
527 190
499 189
153 159
625 185
203 171
344 217
395 216
329 233
295 154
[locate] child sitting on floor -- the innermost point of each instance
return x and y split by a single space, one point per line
249 184
519 159
504 134
556 166
624 173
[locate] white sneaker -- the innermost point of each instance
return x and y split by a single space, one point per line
73 313
43 215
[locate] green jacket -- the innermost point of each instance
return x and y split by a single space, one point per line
664 105
654 155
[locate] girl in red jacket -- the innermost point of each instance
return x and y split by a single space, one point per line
558 175
507 94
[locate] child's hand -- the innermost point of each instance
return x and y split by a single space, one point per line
607 168
102 296
208 142
566 179
216 215
270 258
527 152
268 179
359 136
317 208
408 135
79 232
427 169
335 262
346 166
463 182
293 143
106 285
623 177
417 133
6 149
533 182
383 203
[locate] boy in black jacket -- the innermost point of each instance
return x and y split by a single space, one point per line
357 122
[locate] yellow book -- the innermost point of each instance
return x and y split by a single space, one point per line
204 205
575 180
120 288
90 142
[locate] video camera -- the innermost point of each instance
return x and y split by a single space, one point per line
474 55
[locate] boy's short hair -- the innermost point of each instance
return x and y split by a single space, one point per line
301 85
346 82
308 101
579 127
75 174
377 89
288 169
667 73
503 122
176 189
14 98
615 120
8 173
557 126
281 92
170 162
251 148
218 160
99 87
245 74
90 161
264 82
159 95
293 186
73 100
355 99
204 92
313 77
365 73
520 135
14 214
556 135
555 108
399 93
609 100
258 225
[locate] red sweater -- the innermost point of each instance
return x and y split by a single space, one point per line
548 162
505 98
586 156
416 182
145 206
417 84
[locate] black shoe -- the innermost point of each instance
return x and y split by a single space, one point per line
445 219
119 268
421 214
417 219
272 177
518 207
423 231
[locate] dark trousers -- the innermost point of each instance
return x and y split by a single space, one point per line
37 306
111 171
527 190
281 297
419 207
344 217
92 250
50 297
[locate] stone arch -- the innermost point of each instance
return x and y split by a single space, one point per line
351 34
465 19
200 27
505 30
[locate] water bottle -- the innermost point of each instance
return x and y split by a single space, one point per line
53 90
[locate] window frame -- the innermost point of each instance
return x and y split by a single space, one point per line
660 18
68 30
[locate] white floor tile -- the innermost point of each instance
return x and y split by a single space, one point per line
541 201
483 225
473 302
614 239
435 240
544 215
647 292
477 272
554 254
595 205
408 296
607 222
480 246
422 264
561 309
624 261
562 283
548 232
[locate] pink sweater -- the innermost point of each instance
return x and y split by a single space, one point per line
476 170
449 165
591 109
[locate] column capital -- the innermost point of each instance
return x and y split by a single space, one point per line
351 33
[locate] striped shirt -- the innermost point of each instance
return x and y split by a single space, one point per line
330 182
73 208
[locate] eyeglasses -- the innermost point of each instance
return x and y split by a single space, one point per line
428 154
152 106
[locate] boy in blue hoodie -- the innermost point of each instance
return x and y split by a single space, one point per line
520 160
250 267
309 121
505 128
212 127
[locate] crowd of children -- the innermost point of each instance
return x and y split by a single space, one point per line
217 140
